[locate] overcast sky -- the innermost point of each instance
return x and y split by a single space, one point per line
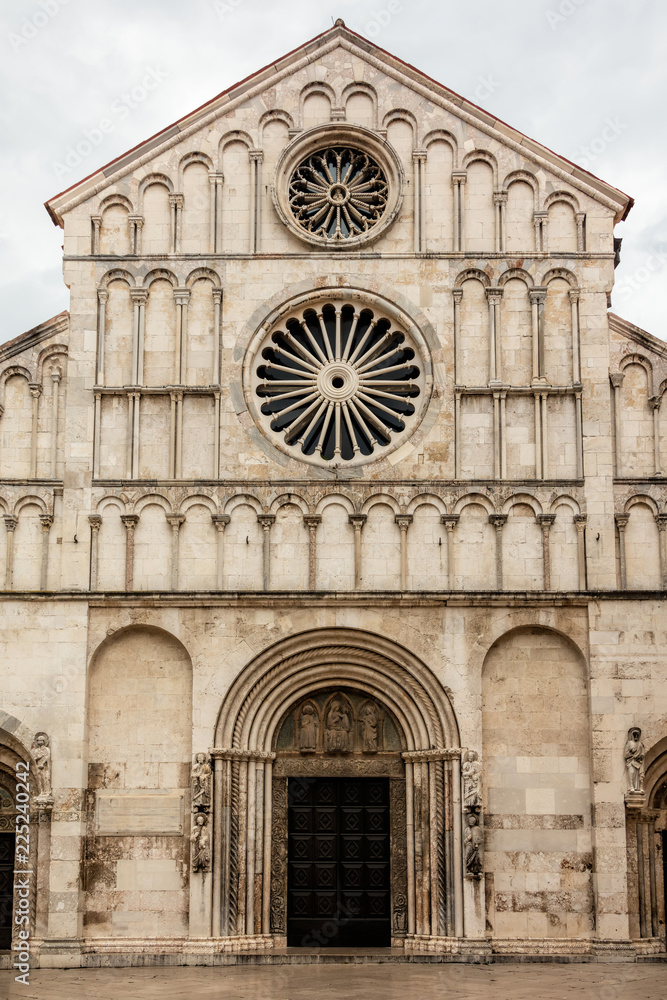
587 78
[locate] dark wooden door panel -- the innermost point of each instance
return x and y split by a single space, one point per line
338 881
6 888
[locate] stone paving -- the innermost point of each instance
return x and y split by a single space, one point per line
348 982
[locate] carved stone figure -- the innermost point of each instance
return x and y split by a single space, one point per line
200 777
338 733
369 729
201 844
472 847
307 728
400 913
41 754
634 760
472 793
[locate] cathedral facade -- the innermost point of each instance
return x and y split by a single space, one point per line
334 545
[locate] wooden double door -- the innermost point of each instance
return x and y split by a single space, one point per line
7 841
338 873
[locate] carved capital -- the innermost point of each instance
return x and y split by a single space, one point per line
47 521
574 294
139 294
357 520
616 379
546 520
621 521
35 390
220 521
449 520
175 520
130 521
95 521
457 294
102 294
537 295
10 522
661 521
266 520
494 294
312 520
497 520
500 197
136 220
176 199
233 753
257 155
459 176
403 521
181 296
580 521
443 753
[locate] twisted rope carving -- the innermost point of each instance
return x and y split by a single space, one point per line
440 843
234 848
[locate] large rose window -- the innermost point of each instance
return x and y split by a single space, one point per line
338 193
337 383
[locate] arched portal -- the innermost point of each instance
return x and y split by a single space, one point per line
336 704
646 833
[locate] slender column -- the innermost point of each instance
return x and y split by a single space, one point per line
621 524
250 850
541 242
139 297
617 382
498 520
47 521
459 178
494 295
181 297
419 160
458 848
172 436
102 298
410 838
266 872
175 520
128 437
97 436
580 522
97 225
266 520
576 338
546 520
457 435
538 438
503 435
176 203
661 521
545 436
256 157
537 299
641 876
216 434
219 180
95 522
130 521
357 521
211 213
450 521
35 392
217 315
500 201
311 521
496 435
220 843
220 521
581 231
404 521
457 295
178 435
55 399
135 434
10 524
579 421
656 400
655 923
136 234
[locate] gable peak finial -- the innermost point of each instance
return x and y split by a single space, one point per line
339 23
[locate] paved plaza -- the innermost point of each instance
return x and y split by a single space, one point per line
349 982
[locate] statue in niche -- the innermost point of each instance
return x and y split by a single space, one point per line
472 795
41 754
201 843
368 725
338 733
634 760
308 728
200 777
472 847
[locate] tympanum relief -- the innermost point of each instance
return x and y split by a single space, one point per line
338 723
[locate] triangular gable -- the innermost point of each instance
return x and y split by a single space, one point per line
631 332
339 35
51 327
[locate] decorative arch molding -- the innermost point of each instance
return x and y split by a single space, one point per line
528 619
160 274
402 115
516 272
361 88
440 135
479 499
243 500
427 500
524 175
276 115
560 272
472 274
28 501
203 273
187 161
381 498
522 499
285 499
316 87
148 182
230 137
116 199
644 500
117 274
565 500
16 735
483 156
248 886
335 498
50 353
636 359
564 196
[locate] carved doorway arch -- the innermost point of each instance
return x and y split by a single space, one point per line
251 773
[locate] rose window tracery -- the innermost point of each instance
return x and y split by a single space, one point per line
338 193
337 383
